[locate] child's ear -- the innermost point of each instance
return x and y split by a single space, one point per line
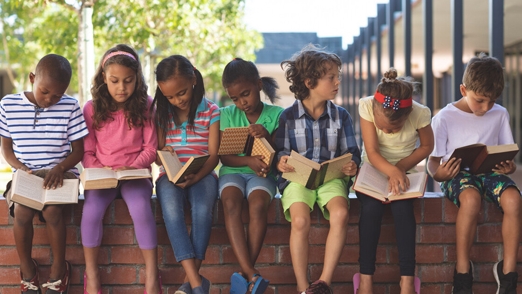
308 83
463 90
31 77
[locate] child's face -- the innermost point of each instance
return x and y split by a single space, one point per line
383 123
121 82
46 91
328 85
245 95
178 90
478 104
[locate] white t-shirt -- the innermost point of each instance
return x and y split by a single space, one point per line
455 128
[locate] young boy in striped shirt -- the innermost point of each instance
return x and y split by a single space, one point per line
41 133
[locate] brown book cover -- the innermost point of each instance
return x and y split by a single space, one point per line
479 158
312 174
238 141
373 183
176 171
104 178
27 189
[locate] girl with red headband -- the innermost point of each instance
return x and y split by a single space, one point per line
391 125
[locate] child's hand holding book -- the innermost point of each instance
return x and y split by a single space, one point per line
350 168
258 131
505 167
283 166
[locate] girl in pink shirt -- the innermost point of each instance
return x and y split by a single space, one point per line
121 136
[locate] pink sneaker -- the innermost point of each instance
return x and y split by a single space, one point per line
356 282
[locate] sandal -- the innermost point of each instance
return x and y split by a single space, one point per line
260 284
417 284
356 282
238 284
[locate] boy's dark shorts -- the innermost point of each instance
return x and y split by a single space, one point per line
489 185
41 173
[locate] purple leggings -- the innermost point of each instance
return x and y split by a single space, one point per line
136 194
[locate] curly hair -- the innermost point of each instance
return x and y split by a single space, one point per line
311 63
135 108
176 65
398 88
484 75
241 70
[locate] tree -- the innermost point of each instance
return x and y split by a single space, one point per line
208 32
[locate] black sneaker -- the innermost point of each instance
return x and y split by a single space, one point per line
507 283
463 283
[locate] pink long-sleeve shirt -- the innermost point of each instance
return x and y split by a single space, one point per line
115 145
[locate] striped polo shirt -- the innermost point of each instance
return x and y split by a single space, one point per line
193 141
41 136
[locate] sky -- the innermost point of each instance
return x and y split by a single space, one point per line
327 18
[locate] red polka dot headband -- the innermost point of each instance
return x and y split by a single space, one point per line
393 103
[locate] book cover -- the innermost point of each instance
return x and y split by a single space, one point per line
479 158
373 183
27 189
312 174
104 178
176 171
238 141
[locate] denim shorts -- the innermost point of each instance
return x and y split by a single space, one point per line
247 183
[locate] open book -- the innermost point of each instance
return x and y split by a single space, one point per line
27 189
238 141
176 171
373 183
479 158
312 174
104 178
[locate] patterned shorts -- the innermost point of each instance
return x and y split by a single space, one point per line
490 186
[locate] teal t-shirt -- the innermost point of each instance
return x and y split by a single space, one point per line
231 116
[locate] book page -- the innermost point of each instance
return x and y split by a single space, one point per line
28 186
416 182
92 174
170 162
372 179
133 174
68 193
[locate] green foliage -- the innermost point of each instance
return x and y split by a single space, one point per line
208 32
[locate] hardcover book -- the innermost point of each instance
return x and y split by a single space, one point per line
176 171
479 158
238 141
27 189
104 178
312 174
373 183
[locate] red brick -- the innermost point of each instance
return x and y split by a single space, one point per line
4 216
489 233
126 255
429 253
277 235
432 210
450 211
437 273
118 235
437 234
7 236
121 213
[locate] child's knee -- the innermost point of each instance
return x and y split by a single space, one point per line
23 214
339 217
510 201
470 199
300 224
53 215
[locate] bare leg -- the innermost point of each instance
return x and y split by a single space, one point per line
300 214
23 234
91 269
55 225
466 226
151 270
510 203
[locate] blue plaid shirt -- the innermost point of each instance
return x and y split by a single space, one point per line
330 136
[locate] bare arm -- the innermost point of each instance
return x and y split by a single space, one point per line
421 153
445 171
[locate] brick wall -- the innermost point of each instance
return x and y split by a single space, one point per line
123 270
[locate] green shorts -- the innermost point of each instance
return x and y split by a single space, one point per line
295 192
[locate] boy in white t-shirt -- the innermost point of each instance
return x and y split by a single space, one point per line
475 118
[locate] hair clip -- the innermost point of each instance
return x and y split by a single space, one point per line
393 103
